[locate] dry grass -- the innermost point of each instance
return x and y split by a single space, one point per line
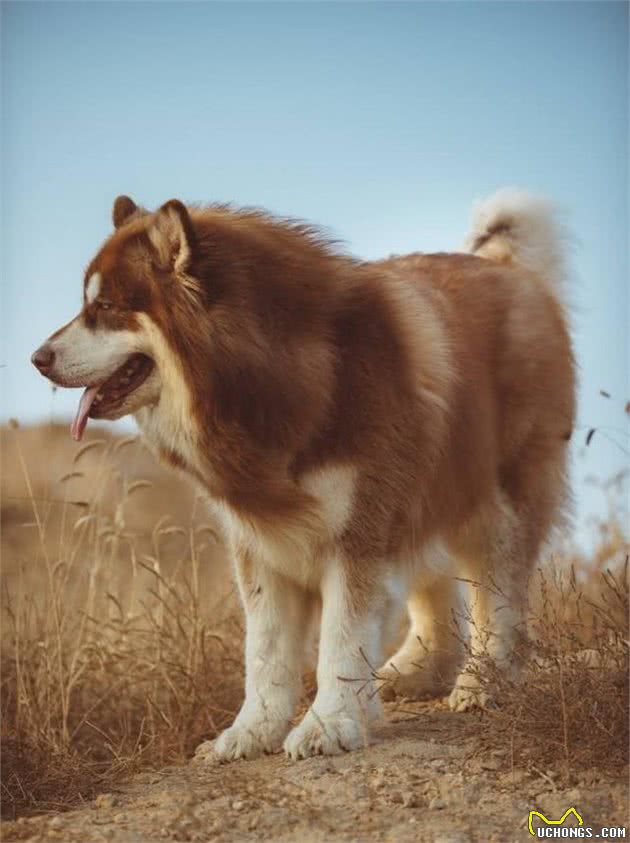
121 646
569 712
116 654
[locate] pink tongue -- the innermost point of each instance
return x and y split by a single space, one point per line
80 420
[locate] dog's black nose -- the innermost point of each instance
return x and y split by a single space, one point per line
43 358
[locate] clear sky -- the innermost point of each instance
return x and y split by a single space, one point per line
381 121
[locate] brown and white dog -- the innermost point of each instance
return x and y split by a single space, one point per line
366 431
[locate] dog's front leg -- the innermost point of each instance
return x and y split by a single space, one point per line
349 651
277 615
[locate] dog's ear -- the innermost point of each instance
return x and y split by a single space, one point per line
123 208
173 236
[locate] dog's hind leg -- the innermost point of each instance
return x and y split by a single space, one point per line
499 549
497 565
426 663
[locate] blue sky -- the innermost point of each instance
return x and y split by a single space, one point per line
381 121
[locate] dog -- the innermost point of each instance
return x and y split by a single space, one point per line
365 431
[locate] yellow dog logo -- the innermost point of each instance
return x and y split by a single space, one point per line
533 814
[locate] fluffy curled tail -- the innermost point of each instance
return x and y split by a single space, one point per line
515 226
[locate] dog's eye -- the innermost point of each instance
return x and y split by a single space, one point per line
103 305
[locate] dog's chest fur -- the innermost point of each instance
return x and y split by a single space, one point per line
171 436
295 545
298 545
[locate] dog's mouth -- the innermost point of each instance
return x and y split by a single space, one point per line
100 400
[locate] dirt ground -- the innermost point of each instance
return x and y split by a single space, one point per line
423 778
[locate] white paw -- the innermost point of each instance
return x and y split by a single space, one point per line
325 735
248 739
468 694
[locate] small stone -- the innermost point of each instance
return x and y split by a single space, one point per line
491 764
437 804
238 805
105 800
148 778
409 800
55 822
516 777
119 818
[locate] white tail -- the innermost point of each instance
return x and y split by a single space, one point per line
515 226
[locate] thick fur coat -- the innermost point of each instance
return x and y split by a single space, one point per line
364 431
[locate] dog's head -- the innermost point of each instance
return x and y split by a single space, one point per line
116 346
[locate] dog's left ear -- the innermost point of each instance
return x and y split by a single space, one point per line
123 208
173 236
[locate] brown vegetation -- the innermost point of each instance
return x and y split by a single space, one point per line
570 710
121 643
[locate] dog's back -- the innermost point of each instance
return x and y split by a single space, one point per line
511 390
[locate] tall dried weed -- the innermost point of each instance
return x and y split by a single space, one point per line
113 657
569 711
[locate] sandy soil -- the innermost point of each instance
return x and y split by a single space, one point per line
424 778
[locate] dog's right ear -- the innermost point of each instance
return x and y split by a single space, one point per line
123 208
173 236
